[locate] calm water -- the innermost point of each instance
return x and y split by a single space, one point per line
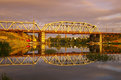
57 62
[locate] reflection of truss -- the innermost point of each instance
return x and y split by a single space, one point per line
84 49
27 60
67 60
84 36
64 60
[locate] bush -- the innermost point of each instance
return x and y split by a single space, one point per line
50 51
4 49
4 77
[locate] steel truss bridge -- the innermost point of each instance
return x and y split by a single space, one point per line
58 27
61 27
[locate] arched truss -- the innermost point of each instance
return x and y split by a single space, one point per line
68 26
67 60
18 25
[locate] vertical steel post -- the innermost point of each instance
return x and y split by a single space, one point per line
100 43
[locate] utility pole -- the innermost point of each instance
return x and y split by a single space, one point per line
112 29
106 28
120 29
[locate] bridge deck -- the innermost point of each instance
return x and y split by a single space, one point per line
57 32
59 54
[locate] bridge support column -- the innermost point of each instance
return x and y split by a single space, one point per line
100 43
41 49
41 37
100 47
101 38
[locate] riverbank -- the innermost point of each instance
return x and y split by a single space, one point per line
15 41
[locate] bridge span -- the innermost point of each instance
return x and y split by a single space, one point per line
60 27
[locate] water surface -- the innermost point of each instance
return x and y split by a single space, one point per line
57 62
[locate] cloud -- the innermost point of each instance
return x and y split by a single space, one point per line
46 11
110 17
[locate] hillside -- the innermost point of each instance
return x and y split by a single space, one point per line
16 41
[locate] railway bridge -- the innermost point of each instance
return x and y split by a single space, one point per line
60 27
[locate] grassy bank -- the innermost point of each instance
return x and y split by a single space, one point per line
15 41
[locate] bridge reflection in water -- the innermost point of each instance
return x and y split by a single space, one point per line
87 54
60 59
57 59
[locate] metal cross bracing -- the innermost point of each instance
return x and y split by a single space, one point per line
63 59
62 27
59 60
55 27
68 26
84 49
67 60
18 25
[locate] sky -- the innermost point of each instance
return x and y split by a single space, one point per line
102 13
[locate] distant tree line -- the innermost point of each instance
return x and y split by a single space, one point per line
68 40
